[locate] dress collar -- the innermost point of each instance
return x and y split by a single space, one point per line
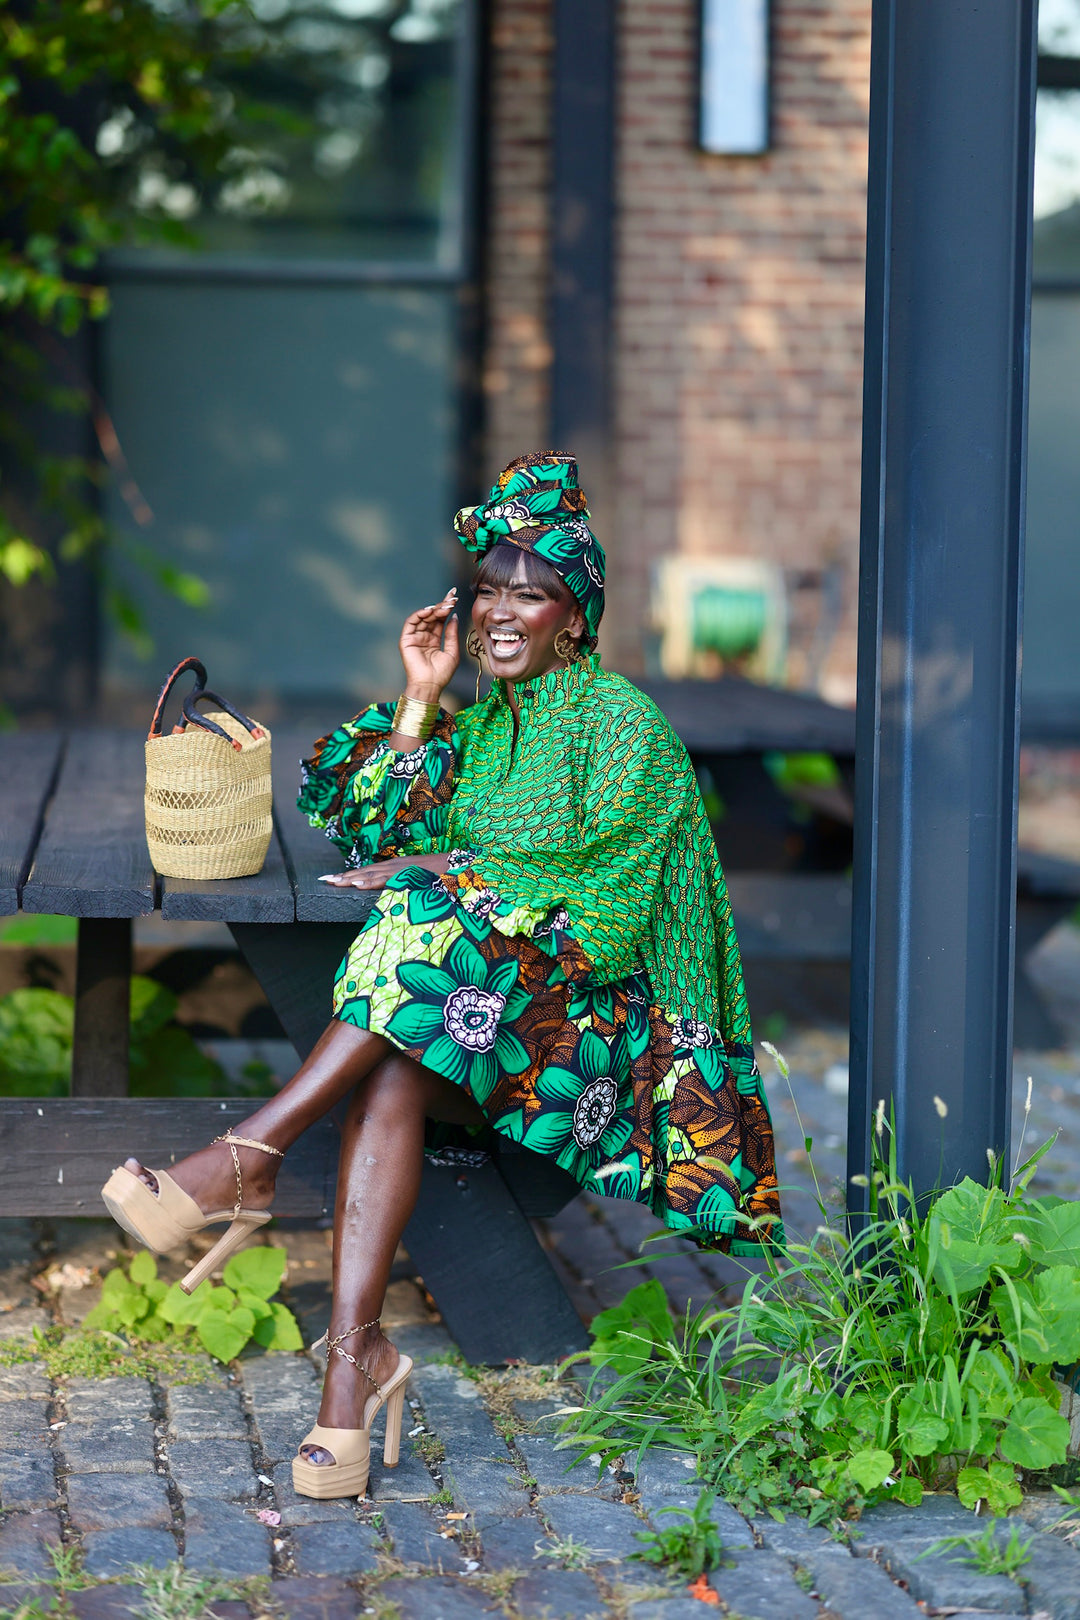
553 690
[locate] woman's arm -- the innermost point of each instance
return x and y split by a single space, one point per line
374 877
429 651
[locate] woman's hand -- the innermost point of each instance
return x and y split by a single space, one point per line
429 649
374 877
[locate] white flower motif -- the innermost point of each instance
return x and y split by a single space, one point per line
591 566
407 765
480 902
691 1032
471 1017
595 1110
509 512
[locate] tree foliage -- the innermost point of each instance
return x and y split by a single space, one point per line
115 117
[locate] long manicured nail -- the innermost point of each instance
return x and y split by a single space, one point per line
329 877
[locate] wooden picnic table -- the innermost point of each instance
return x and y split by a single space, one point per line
72 843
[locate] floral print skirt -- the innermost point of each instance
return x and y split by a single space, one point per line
501 1001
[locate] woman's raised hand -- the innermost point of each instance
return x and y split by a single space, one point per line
429 648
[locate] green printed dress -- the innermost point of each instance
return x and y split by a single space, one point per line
576 970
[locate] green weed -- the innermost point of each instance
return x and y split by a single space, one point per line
566 1552
988 1554
137 1304
916 1353
430 1448
176 1593
690 1547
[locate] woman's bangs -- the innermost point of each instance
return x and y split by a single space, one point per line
500 566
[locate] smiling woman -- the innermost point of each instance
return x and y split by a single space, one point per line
551 955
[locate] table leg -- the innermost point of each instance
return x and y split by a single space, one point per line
99 1064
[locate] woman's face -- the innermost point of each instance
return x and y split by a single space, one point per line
518 625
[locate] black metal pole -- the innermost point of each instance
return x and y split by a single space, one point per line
582 226
947 306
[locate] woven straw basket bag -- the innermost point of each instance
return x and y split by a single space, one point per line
208 799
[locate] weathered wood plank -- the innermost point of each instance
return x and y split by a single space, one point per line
477 1253
100 1052
91 859
58 1151
28 766
804 916
308 851
266 897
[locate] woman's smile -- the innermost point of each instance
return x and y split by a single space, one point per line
505 645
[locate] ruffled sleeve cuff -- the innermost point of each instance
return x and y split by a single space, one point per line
373 802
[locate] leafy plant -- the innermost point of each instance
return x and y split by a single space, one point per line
224 1318
113 120
918 1353
176 1593
567 1553
691 1547
37 1029
987 1552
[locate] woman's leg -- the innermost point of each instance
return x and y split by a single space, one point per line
343 1056
382 1155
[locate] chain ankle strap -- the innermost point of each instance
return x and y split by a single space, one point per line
243 1141
334 1344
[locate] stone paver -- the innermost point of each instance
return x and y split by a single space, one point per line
510 1543
439 1599
200 1411
760 1586
609 1529
856 1588
116 1501
24 1543
557 1594
210 1468
555 1470
16 1383
26 1482
309 1597
109 1553
335 1549
107 1602
1053 1578
418 1537
225 1538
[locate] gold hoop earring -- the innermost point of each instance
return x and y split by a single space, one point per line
475 647
569 653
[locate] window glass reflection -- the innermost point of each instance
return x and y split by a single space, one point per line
348 144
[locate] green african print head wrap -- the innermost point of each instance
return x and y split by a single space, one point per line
538 505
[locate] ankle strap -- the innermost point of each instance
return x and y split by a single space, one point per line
334 1344
248 1141
243 1141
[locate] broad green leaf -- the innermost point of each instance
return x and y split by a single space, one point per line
259 1309
907 1490
279 1331
184 1309
220 1299
115 1283
260 1270
870 1469
1057 1293
143 1268
625 1336
970 1232
225 1335
156 1290
130 1307
1035 1436
1055 1234
995 1485
920 1429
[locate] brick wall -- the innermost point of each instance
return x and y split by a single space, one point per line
738 308
518 355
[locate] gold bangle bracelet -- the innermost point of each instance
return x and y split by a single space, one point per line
415 719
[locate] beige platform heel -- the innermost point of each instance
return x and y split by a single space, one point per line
164 1220
348 1474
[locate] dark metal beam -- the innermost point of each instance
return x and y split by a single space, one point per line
583 216
947 305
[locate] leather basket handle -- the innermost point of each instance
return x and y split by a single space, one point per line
192 717
181 669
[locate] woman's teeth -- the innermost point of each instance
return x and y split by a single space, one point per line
505 645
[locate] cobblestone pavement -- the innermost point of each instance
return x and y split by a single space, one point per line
481 1517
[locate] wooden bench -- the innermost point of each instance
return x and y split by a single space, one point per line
72 843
